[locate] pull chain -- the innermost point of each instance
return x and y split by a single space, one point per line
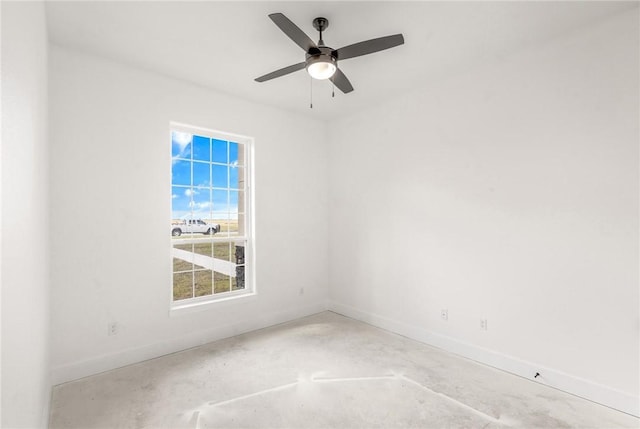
310 92
333 90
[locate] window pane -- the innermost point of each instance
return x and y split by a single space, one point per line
201 174
201 205
222 219
221 282
203 281
180 145
201 148
233 202
237 282
181 172
180 203
220 201
233 224
204 248
236 154
221 251
182 286
219 175
234 177
181 265
237 252
219 151
182 257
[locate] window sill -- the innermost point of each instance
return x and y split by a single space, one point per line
178 309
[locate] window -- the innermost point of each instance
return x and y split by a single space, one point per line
210 215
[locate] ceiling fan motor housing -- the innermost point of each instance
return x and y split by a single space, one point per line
321 54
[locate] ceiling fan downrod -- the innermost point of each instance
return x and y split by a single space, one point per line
320 24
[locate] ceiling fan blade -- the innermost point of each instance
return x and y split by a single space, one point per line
292 30
369 46
341 81
281 72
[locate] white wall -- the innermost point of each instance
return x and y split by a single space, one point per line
508 192
25 219
110 175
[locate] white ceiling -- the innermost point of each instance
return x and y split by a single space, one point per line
225 45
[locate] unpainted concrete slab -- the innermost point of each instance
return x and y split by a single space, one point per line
323 371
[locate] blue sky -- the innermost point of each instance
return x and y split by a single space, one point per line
211 193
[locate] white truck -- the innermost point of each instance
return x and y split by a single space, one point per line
190 226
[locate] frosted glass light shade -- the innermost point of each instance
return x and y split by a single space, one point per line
321 70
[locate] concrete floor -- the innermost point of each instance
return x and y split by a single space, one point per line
323 371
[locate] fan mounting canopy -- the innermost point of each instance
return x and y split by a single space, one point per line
320 24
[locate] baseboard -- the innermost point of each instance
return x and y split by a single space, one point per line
583 388
84 368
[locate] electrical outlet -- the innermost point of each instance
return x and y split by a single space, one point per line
444 314
483 324
112 328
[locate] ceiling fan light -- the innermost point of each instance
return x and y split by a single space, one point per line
321 69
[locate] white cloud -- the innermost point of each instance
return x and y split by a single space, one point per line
181 139
199 206
189 192
173 196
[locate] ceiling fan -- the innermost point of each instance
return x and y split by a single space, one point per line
321 61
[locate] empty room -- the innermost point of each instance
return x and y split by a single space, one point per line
310 214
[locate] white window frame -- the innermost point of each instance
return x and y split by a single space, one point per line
249 223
